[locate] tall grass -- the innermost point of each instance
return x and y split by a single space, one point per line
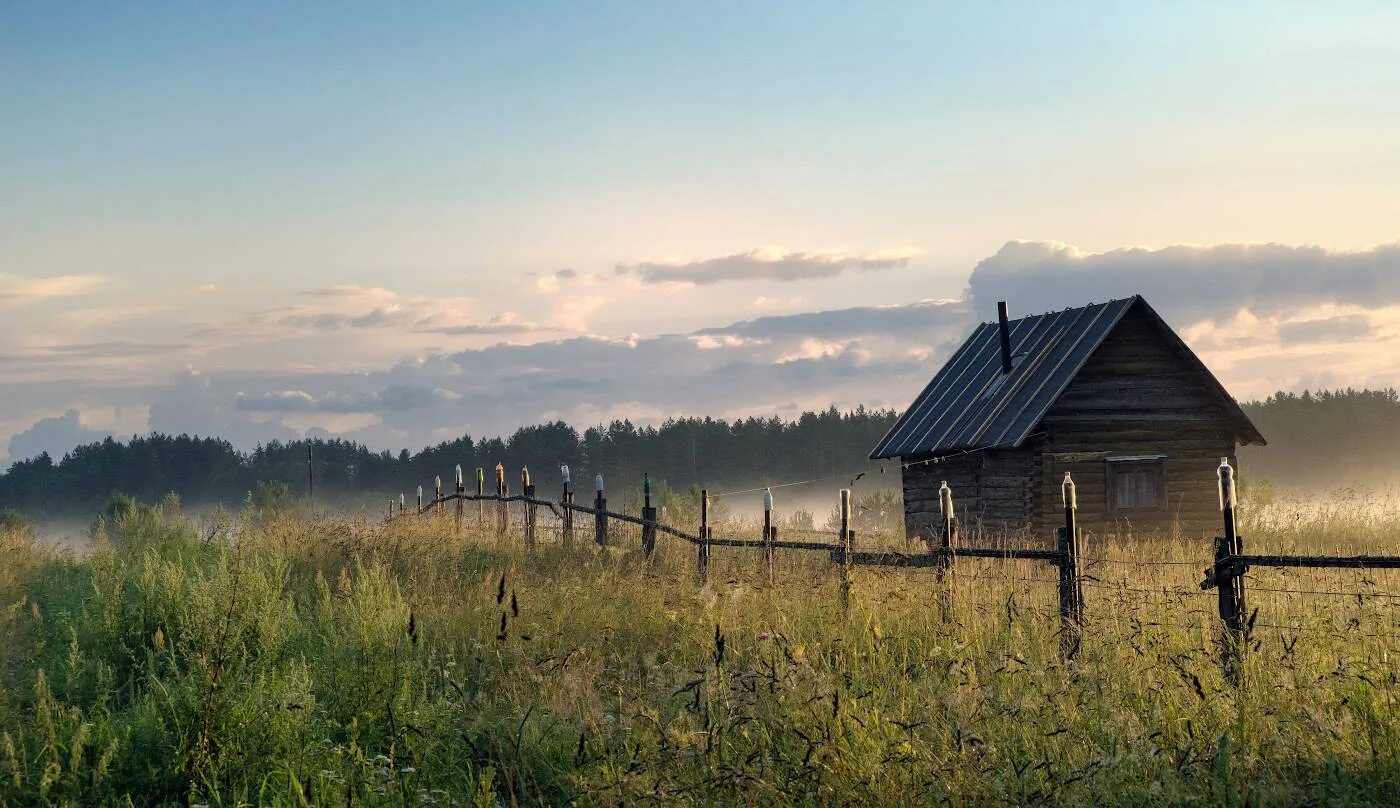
291 660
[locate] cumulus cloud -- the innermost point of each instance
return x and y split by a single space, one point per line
765 263
876 356
574 312
56 435
1187 283
199 404
1261 315
14 289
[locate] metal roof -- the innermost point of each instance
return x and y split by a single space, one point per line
971 404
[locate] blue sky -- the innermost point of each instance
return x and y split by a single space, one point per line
277 200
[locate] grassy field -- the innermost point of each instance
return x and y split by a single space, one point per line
280 659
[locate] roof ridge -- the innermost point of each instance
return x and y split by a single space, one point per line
972 404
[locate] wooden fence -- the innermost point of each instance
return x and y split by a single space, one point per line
1226 575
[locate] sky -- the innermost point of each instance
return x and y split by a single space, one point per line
399 224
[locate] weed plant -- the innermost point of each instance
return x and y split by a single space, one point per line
280 658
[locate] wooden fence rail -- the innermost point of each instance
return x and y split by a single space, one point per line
1226 575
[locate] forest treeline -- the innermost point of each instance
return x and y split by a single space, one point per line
1323 439
681 451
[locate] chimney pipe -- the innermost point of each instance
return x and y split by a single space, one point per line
1005 329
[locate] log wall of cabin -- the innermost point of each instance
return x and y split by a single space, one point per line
992 490
1136 396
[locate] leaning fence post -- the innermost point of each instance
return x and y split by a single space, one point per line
648 518
600 513
567 517
527 488
768 535
702 547
846 547
1229 578
1071 588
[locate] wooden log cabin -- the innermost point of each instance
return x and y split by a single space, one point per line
1107 392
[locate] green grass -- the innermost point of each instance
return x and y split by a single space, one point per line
298 661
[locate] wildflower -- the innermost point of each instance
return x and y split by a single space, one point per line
765 635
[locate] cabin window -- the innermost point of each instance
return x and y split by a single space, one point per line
1137 483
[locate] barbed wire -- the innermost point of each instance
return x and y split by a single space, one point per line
1145 563
1149 590
1252 587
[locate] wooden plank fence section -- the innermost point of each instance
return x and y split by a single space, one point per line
1226 575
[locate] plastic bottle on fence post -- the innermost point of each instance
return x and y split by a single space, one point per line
1227 483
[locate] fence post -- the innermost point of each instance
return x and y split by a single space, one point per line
1071 588
702 548
391 509
420 500
943 569
500 495
1229 579
768 535
648 518
437 495
480 492
461 488
847 545
528 489
567 517
600 516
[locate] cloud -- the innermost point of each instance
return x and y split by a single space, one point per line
1270 317
573 313
115 349
811 348
550 283
377 317
506 323
911 318
56 435
1341 328
78 354
762 303
554 282
765 263
351 291
419 315
1186 283
15 290
391 398
199 404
